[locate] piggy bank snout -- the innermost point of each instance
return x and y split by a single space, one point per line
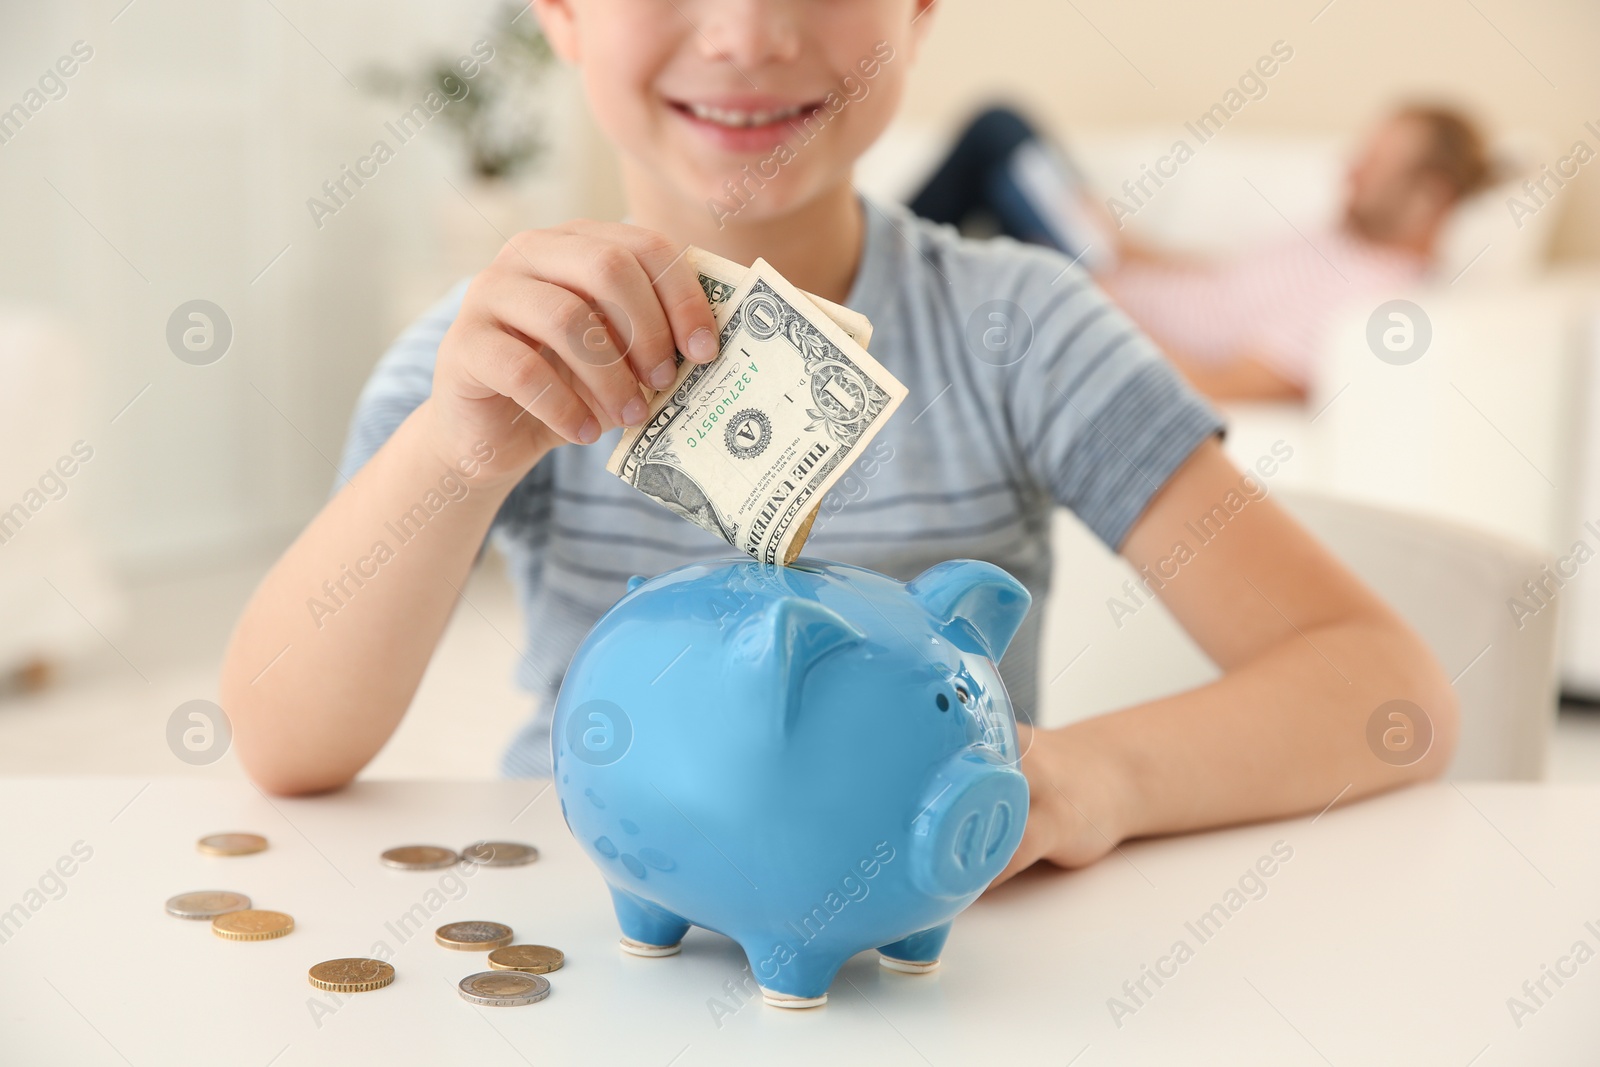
967 833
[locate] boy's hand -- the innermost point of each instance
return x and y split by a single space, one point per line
1072 821
555 338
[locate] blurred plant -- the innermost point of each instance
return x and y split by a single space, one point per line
496 120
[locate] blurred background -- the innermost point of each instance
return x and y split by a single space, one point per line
189 305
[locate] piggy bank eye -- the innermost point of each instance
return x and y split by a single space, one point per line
962 694
943 702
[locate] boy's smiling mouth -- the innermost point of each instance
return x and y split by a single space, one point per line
745 124
744 119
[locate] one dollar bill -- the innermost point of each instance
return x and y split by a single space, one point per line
747 446
721 278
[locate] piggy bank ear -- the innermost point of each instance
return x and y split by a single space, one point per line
636 581
978 605
772 651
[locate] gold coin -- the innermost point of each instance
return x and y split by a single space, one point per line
531 959
352 975
499 853
252 925
206 904
473 936
231 844
419 857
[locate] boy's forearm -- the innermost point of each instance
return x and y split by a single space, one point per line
1282 735
331 648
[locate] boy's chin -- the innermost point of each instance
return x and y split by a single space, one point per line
747 202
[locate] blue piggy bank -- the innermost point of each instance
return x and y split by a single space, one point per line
812 760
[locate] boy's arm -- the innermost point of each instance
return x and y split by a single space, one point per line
527 364
1308 654
318 675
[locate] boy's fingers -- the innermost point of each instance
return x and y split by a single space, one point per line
575 331
694 329
500 362
611 277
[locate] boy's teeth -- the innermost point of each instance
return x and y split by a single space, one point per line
726 117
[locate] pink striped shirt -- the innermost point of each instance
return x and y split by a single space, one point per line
1274 305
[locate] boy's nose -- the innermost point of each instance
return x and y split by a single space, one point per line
749 33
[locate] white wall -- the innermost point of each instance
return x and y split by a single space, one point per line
184 152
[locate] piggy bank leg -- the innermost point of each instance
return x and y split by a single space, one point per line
647 930
789 979
917 953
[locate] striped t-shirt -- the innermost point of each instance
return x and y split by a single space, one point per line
1028 389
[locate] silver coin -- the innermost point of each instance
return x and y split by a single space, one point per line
499 853
504 989
207 904
419 857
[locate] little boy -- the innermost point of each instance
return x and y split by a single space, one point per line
737 123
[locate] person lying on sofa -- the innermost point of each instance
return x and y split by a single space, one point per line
1248 327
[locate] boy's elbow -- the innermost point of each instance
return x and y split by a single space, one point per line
295 782
277 764
1428 687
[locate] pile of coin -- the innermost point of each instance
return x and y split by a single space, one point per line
232 917
516 974
481 853
517 971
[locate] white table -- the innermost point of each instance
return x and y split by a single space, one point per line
1395 934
